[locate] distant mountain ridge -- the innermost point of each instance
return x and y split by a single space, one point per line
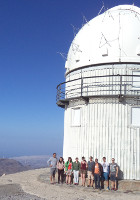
10 166
34 162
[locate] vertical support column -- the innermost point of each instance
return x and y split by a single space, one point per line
81 87
120 85
121 96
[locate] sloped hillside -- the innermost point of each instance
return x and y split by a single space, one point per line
35 162
10 166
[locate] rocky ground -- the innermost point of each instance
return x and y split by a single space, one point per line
14 192
34 185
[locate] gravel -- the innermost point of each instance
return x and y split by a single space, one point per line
35 185
14 192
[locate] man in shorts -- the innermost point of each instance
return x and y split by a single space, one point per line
90 175
52 162
105 174
113 174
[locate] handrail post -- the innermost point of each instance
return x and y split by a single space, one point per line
58 92
57 96
120 84
81 86
65 94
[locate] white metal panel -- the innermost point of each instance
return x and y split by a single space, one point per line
135 116
136 79
104 131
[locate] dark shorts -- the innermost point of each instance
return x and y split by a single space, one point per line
52 171
83 171
113 177
105 176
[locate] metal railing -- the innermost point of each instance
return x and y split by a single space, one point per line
107 85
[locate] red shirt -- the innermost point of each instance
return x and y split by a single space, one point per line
70 166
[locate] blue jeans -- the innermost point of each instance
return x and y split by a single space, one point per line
97 181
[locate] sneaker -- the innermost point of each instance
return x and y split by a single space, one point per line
107 188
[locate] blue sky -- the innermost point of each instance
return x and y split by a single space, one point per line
31 34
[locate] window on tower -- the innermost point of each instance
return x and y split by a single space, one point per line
76 117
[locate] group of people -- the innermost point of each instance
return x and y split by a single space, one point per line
96 172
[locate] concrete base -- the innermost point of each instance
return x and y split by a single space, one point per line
129 185
123 185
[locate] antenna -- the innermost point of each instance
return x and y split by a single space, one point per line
110 15
63 55
85 21
103 41
75 48
133 3
75 30
103 6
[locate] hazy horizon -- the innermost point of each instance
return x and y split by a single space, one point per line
31 155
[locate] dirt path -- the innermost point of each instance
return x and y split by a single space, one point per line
14 192
36 182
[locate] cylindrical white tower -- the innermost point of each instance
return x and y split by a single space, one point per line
101 95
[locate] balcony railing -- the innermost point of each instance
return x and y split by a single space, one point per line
99 86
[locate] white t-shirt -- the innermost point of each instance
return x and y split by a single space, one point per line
105 166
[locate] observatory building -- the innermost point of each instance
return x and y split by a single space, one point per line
101 94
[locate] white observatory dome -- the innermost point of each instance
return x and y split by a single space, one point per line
112 37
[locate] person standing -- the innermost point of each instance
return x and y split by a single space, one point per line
113 174
76 168
97 171
90 175
60 167
68 170
52 162
83 171
105 174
